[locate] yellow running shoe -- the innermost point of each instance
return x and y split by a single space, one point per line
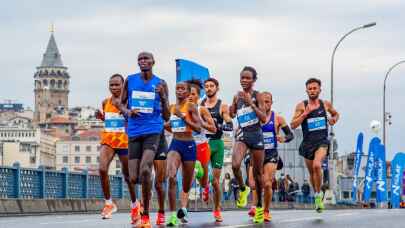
243 198
259 216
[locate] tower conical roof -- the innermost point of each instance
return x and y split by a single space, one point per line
52 57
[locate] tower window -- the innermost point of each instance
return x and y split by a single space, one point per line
45 82
53 83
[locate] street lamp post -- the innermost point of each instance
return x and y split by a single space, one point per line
384 113
332 134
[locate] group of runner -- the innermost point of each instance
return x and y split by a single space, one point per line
138 113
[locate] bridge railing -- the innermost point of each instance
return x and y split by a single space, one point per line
25 183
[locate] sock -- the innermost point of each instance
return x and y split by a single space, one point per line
133 204
109 201
317 194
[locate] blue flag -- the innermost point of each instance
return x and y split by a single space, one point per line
381 174
357 163
188 70
369 179
397 170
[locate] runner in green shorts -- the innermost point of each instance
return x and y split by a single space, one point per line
220 113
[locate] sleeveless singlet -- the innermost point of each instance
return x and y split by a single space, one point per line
246 116
315 125
219 121
113 134
270 134
177 124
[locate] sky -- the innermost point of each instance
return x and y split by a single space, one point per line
286 41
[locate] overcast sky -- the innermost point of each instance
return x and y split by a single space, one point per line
286 41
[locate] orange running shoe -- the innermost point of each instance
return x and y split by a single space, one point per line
267 216
145 222
218 216
108 210
160 219
135 213
252 211
206 194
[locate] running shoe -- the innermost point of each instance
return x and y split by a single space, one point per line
319 207
182 215
160 219
243 198
259 216
218 216
267 216
252 211
145 222
108 210
135 213
206 194
173 221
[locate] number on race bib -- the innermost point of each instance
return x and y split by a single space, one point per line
177 124
269 140
316 123
114 122
143 101
247 117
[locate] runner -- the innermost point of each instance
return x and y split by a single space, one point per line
220 112
145 101
114 141
184 120
271 129
248 107
311 114
208 125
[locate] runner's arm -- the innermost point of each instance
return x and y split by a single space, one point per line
168 127
260 109
332 111
299 116
207 123
165 102
100 114
195 121
288 135
232 108
124 99
225 113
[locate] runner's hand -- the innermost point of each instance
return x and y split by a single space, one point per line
133 112
99 115
247 98
332 121
161 91
280 139
310 108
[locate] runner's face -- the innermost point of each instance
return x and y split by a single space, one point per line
268 101
246 79
313 90
145 62
115 86
182 91
194 95
210 89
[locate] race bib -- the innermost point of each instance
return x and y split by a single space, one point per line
143 101
114 122
177 124
247 117
316 123
269 140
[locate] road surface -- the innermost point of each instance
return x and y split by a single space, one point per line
281 219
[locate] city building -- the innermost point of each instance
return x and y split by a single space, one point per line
51 85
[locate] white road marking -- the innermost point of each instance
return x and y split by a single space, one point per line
299 219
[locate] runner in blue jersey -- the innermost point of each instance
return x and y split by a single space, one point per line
248 107
311 114
144 100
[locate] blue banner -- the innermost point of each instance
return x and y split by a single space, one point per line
187 70
369 178
357 163
397 170
381 174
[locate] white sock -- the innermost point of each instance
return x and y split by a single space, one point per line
133 205
317 194
109 201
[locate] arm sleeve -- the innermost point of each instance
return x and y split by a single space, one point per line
288 133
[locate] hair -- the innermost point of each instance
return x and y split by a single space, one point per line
213 80
251 70
268 93
117 76
313 80
195 83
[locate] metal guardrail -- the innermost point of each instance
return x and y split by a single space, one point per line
25 183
